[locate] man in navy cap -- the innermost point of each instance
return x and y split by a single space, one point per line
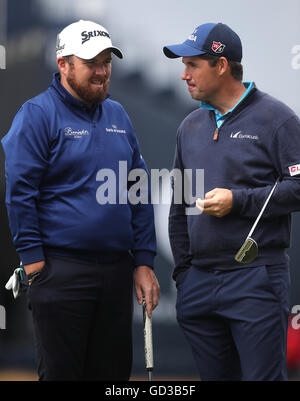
234 315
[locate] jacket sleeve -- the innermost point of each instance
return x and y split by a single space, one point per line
142 211
26 153
178 228
285 153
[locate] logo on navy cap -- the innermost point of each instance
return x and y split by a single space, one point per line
218 47
193 36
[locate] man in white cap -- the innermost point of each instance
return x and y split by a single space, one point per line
80 251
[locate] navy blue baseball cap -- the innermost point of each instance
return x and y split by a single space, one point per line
213 38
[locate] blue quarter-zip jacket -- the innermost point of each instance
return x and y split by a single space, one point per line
56 151
258 142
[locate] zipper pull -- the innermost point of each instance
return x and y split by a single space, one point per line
216 134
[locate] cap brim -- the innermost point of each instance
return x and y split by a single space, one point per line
116 51
182 50
88 54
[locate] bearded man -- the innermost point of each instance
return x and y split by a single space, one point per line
80 255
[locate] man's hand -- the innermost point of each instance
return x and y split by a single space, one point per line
147 287
217 202
34 267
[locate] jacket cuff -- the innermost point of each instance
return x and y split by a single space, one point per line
32 255
144 258
237 200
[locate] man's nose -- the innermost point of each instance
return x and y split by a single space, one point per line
184 75
100 69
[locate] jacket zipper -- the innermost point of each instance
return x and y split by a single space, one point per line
216 134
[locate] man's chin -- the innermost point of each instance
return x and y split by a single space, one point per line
195 96
94 98
97 95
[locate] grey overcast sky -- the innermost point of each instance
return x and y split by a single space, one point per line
269 29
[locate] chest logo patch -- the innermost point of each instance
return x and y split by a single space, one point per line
241 135
76 134
115 130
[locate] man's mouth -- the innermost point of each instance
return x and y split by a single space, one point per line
98 83
190 86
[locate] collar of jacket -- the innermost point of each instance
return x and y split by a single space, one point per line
246 99
243 102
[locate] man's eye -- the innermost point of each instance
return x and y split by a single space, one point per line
89 62
93 62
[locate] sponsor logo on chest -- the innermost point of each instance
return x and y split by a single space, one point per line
75 133
241 135
115 130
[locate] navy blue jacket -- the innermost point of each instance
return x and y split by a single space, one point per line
258 142
54 152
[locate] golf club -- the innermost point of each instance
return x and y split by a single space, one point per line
148 341
249 250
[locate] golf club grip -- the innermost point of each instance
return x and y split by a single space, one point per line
148 339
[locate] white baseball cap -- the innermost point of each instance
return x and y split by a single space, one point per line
84 39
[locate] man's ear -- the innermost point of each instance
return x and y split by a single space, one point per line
223 65
62 65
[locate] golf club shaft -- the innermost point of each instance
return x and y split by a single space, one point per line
263 209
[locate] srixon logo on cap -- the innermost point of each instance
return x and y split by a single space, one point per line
218 47
294 170
88 35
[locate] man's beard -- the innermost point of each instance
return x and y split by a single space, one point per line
88 95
